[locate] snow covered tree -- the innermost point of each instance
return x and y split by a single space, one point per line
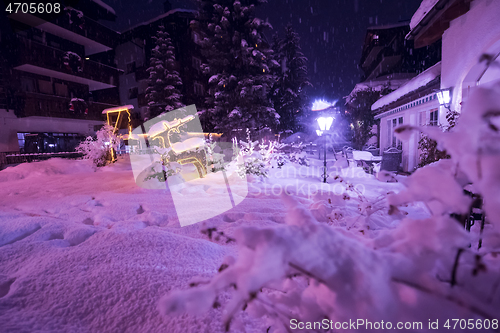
288 95
164 81
360 115
239 66
99 150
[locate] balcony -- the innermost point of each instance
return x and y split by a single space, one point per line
41 105
92 35
37 58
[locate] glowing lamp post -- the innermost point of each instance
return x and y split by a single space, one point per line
324 125
444 98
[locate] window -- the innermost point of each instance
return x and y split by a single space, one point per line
198 89
196 63
133 92
61 89
392 141
28 84
55 44
21 141
422 121
130 68
196 37
45 87
433 119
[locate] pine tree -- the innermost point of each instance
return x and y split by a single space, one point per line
239 65
360 115
164 81
288 94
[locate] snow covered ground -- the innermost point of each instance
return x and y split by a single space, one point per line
85 251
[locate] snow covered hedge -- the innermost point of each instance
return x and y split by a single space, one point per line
257 158
415 270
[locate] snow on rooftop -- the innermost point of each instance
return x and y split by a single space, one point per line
393 82
424 8
388 26
105 6
419 81
170 12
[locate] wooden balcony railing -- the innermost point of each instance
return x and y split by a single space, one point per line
40 105
46 57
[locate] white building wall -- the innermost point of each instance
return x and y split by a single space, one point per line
469 36
411 115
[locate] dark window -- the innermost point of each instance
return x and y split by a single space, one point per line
198 89
61 89
130 68
196 63
133 92
45 87
433 120
28 84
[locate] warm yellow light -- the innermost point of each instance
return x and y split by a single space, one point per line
263 70
255 45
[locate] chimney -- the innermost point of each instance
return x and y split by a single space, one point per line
167 6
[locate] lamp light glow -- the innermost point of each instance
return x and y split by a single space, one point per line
444 97
325 123
319 132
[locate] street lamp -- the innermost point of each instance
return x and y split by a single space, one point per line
444 98
324 125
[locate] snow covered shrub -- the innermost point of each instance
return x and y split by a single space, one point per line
258 162
215 159
99 150
428 147
299 154
164 168
252 161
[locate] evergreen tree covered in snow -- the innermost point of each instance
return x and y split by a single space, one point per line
288 95
164 81
360 115
239 66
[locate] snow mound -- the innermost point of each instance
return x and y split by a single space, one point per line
53 166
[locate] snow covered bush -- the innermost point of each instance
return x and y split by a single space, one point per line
428 147
253 161
99 149
215 159
410 270
163 168
299 154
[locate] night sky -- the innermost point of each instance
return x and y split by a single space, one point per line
331 31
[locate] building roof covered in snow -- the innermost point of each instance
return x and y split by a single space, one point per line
423 80
433 17
390 82
159 17
105 6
